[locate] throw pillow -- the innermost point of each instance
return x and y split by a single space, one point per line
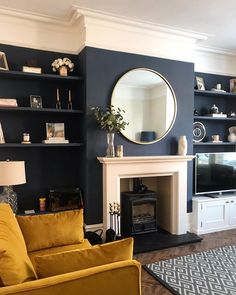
52 230
55 264
15 265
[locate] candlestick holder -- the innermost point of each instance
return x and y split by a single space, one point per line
69 105
58 103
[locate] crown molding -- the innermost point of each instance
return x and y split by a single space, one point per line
42 32
216 50
136 23
82 27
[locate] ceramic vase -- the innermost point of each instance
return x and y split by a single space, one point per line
232 137
110 145
63 71
182 145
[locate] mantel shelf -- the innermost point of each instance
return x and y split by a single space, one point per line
144 159
40 145
33 76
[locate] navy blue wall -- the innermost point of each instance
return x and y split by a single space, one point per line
103 69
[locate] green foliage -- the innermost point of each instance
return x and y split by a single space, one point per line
111 119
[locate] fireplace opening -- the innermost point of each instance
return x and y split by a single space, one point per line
138 213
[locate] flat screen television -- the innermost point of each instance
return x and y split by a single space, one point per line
215 173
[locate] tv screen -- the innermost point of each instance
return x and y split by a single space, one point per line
215 172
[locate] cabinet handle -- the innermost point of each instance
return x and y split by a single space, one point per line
232 201
227 202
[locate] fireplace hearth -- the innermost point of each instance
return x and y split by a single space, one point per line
138 213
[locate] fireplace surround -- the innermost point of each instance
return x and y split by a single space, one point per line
170 172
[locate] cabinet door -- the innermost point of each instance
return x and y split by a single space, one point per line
215 214
232 212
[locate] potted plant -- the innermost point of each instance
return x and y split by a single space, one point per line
63 65
112 121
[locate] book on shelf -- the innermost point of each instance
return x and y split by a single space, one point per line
55 141
8 102
217 115
35 70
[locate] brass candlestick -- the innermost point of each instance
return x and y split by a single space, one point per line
69 105
58 103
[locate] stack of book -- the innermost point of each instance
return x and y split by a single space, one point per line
29 69
8 102
55 140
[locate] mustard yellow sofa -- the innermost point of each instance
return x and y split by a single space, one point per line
47 254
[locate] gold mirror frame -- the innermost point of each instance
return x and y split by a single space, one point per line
120 87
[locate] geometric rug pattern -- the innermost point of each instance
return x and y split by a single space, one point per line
211 272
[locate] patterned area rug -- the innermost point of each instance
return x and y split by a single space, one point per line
210 272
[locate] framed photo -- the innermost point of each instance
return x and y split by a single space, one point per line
36 101
3 61
232 85
200 83
2 139
55 130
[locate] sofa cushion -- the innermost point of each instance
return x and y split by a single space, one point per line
52 230
50 265
60 249
15 265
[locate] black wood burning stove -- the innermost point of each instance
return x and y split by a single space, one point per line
138 213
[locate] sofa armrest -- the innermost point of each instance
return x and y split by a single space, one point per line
115 278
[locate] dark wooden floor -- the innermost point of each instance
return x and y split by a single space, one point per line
150 286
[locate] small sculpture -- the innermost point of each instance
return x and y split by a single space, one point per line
214 109
232 134
231 114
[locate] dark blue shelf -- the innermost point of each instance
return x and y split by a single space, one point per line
41 110
33 76
215 143
213 93
196 118
39 145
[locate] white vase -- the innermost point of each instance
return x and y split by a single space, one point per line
232 137
182 145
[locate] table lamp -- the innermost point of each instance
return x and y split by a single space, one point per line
11 173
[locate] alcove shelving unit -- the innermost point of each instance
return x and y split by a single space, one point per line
214 214
226 102
47 165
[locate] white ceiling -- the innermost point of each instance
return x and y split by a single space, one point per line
215 18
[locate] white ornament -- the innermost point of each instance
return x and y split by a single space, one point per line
182 145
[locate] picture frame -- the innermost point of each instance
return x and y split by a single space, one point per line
36 101
55 131
2 139
200 83
3 61
232 85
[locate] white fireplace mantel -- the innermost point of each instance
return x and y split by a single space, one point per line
114 169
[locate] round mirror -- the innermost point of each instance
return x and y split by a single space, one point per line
149 103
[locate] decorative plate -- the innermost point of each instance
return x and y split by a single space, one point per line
199 131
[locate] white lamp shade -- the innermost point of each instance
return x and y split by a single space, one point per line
12 172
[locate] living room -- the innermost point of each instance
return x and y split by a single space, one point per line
105 42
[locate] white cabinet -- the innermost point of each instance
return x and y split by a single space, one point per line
213 214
